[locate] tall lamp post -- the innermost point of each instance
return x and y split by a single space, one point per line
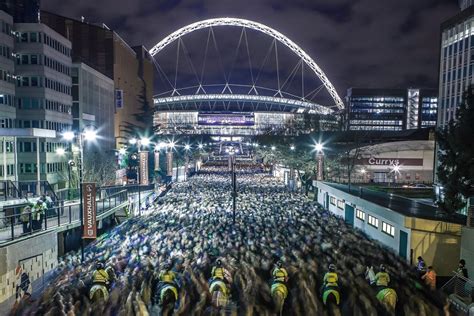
395 171
86 135
320 161
232 151
144 141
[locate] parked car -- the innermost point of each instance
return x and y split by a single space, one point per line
416 186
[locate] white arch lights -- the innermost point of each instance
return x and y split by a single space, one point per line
258 27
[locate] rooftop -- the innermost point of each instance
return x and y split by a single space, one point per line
401 205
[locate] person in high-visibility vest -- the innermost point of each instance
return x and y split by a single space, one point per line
279 273
100 276
331 278
382 278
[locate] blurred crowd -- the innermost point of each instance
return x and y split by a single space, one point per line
191 226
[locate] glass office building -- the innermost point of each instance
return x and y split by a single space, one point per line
390 109
456 61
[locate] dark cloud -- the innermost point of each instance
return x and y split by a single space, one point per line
363 43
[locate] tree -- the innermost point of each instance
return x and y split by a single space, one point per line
100 168
301 158
143 119
456 156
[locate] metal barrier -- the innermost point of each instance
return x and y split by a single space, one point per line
28 223
134 188
8 190
460 291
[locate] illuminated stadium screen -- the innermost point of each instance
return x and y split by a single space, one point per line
226 119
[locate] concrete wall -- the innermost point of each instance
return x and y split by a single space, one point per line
381 213
437 242
467 249
36 255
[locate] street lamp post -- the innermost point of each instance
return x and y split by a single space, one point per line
232 151
89 135
140 142
320 160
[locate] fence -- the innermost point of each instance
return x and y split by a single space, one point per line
24 223
73 194
460 291
8 190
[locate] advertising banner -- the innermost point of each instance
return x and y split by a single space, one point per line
157 160
230 119
118 99
320 160
169 163
144 168
89 211
376 161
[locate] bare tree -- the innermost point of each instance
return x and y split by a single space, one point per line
100 168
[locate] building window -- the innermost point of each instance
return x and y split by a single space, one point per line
332 200
373 221
360 214
388 229
340 204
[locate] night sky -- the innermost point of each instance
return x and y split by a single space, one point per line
361 43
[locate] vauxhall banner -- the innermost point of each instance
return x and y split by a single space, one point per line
89 211
144 167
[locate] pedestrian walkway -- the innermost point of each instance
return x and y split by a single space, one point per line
61 216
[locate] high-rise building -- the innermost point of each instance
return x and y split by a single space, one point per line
456 61
43 98
391 109
104 50
464 4
22 11
35 101
7 95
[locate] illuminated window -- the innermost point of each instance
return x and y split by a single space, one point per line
388 229
360 215
373 221
340 204
333 200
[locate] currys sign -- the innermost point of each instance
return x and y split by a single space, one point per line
375 161
383 162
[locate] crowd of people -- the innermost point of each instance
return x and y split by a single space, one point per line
191 228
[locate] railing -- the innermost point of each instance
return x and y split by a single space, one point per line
30 188
73 194
8 190
27 223
460 291
131 189
68 194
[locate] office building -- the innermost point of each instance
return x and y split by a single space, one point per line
464 4
93 104
456 61
7 95
35 65
131 68
390 109
43 98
